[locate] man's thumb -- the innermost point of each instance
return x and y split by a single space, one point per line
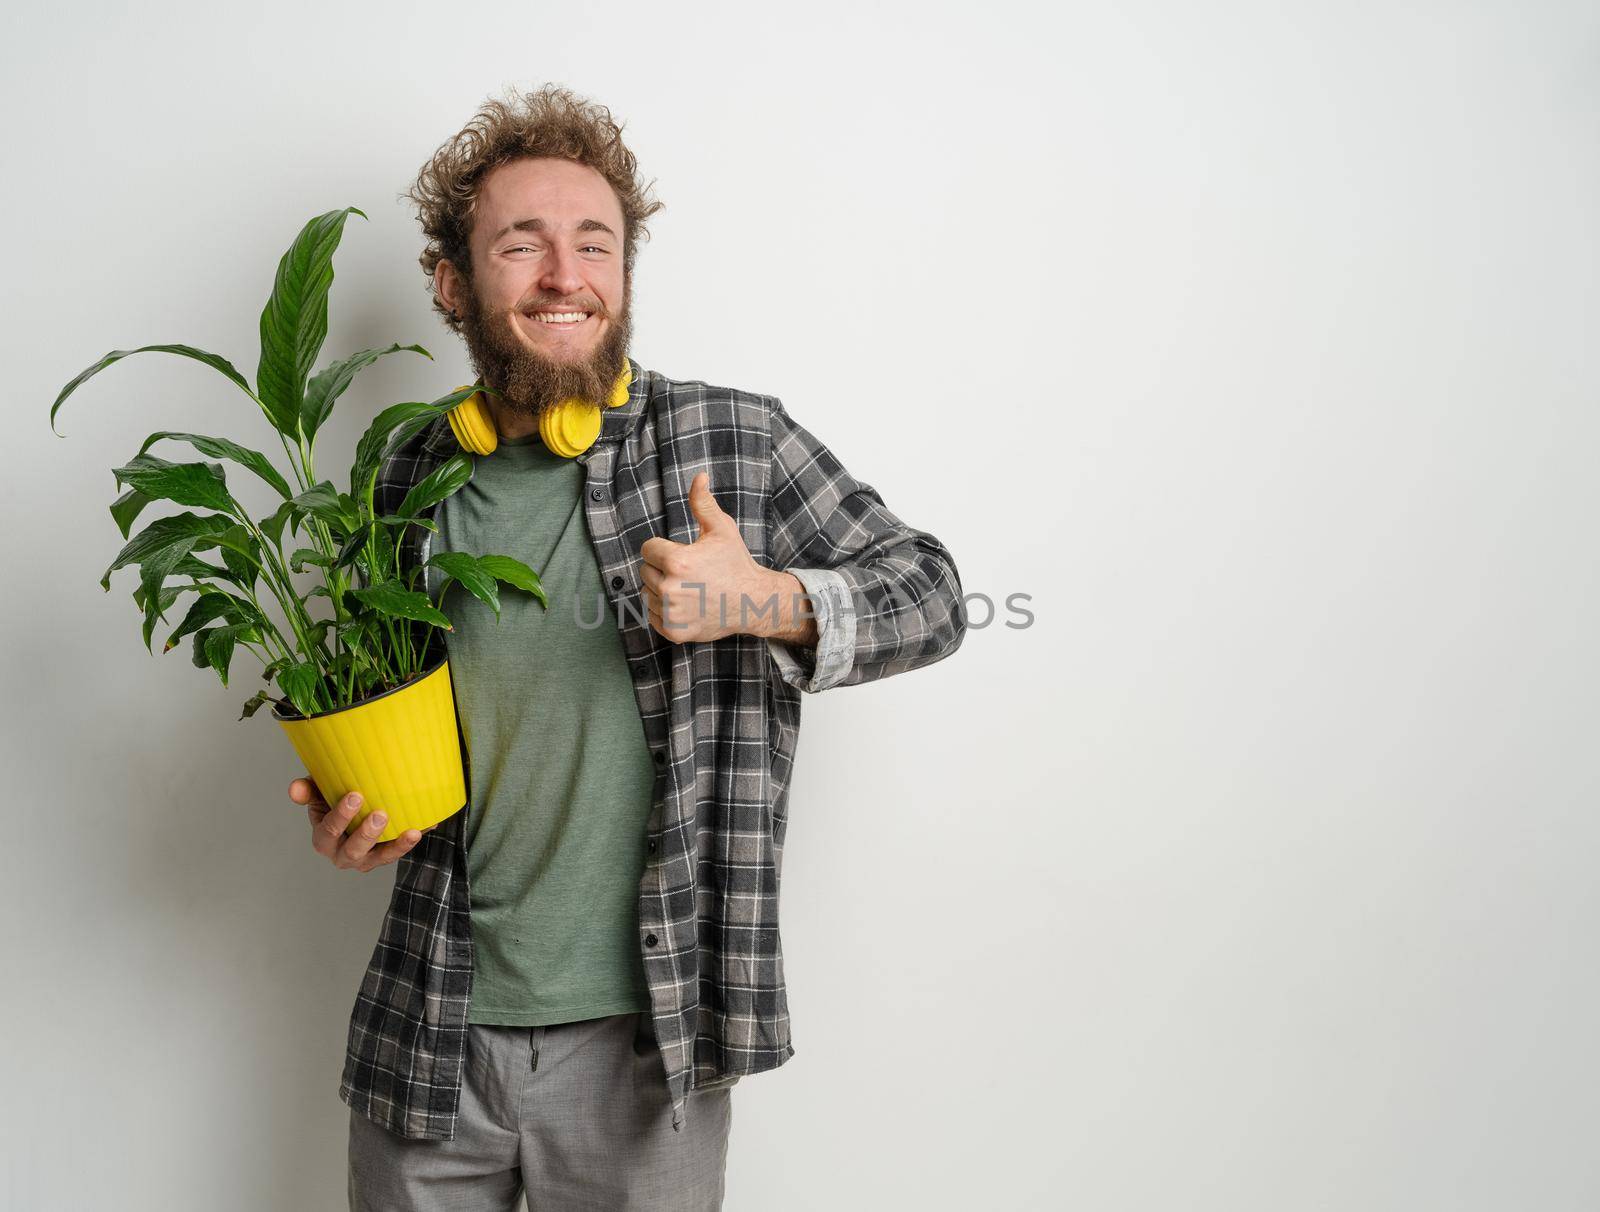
706 510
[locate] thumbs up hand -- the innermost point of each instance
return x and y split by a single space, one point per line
712 587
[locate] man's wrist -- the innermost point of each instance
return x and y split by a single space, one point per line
794 621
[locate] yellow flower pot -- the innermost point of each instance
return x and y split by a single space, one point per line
400 749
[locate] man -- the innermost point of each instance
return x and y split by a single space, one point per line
575 970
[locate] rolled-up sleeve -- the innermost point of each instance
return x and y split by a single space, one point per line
886 596
830 661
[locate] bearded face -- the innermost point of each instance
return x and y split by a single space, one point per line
535 364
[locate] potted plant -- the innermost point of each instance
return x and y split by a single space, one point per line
364 690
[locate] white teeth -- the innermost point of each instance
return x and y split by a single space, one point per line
560 317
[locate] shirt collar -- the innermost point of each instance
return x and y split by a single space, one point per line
617 423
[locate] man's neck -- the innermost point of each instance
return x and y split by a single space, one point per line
511 422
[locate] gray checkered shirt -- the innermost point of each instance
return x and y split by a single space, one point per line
721 717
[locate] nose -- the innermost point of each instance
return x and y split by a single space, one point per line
560 273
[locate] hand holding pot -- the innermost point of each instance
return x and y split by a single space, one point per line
353 852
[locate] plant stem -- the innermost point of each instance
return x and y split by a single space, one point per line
278 580
272 631
294 464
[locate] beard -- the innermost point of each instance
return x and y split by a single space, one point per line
529 383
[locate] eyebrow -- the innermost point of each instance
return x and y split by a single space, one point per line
540 225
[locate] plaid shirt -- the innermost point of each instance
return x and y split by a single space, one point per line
721 717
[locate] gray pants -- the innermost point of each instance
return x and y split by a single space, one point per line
578 1113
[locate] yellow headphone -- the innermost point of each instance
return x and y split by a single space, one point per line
568 429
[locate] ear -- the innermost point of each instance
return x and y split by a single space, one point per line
448 286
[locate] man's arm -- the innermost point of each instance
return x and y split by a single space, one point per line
886 597
794 617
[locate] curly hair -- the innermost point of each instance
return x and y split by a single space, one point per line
549 122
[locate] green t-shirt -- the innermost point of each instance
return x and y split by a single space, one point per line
562 780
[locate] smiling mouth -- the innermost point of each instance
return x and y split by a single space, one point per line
565 321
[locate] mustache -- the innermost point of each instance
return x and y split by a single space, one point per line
589 305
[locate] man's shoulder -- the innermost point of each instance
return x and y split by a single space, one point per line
692 401
408 461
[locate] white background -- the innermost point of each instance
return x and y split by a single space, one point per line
1254 341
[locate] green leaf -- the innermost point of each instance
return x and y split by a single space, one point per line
165 560
514 572
460 566
169 594
384 552
214 645
255 702
221 448
394 426
181 533
200 484
307 555
396 601
330 383
438 484
116 355
299 684
382 540
153 574
273 526
198 649
394 519
353 545
207 608
154 607
127 507
326 502
244 567
371 447
239 538
194 566
219 647
294 322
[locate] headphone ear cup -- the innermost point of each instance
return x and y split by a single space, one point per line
472 425
570 428
619 389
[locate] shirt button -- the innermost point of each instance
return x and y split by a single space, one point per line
661 757
597 494
616 582
649 940
652 846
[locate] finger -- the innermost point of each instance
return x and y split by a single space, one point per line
657 550
667 615
353 850
652 578
330 827
680 611
304 791
657 622
388 852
